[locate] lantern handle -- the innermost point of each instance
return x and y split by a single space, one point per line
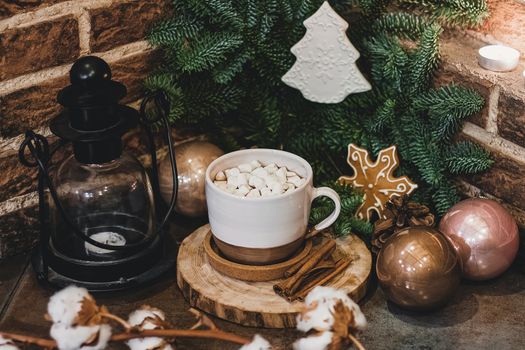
38 147
162 106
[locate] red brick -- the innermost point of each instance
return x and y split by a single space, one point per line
19 231
483 87
133 70
123 23
506 22
44 45
511 118
504 180
17 179
12 7
30 107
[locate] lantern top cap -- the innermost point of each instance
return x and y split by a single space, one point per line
89 71
91 85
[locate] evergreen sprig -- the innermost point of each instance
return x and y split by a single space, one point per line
223 68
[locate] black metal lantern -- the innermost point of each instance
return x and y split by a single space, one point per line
101 226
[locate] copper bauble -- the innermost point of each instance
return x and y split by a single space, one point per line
485 236
192 160
418 268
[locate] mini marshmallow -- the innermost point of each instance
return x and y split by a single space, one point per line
255 164
276 187
296 180
281 174
220 176
254 193
271 168
243 190
290 186
232 172
257 182
290 174
265 192
260 172
245 168
238 180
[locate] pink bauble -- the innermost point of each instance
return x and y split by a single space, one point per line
485 236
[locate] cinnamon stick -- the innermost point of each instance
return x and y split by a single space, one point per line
292 270
289 286
340 266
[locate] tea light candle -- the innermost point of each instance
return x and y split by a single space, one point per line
498 58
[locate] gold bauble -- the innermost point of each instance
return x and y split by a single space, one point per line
192 160
418 268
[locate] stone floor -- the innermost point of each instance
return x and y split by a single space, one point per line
489 315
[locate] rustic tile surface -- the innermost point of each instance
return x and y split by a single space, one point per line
488 315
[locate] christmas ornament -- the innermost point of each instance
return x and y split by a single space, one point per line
375 179
485 236
192 160
400 213
325 70
418 268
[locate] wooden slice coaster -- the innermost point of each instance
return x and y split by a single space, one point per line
250 273
255 303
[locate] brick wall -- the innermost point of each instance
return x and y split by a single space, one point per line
500 127
39 39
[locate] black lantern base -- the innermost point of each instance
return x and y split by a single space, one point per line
136 270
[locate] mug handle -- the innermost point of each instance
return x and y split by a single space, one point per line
327 192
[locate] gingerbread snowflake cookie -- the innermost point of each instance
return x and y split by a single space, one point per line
376 179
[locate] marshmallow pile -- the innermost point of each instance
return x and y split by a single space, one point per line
256 180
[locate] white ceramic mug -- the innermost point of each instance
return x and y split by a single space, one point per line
264 223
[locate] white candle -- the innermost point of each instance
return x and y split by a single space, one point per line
109 238
498 58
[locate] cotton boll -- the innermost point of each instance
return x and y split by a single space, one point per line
80 337
64 305
258 343
147 318
7 344
314 342
150 343
320 304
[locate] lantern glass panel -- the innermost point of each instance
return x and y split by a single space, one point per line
111 203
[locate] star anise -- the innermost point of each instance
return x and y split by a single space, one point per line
400 213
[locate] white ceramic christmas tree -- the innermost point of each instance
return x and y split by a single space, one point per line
325 69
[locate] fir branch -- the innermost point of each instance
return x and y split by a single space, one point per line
467 158
174 31
404 25
467 13
207 51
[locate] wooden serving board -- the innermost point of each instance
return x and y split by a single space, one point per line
255 303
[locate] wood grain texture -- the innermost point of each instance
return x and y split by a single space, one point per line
255 303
